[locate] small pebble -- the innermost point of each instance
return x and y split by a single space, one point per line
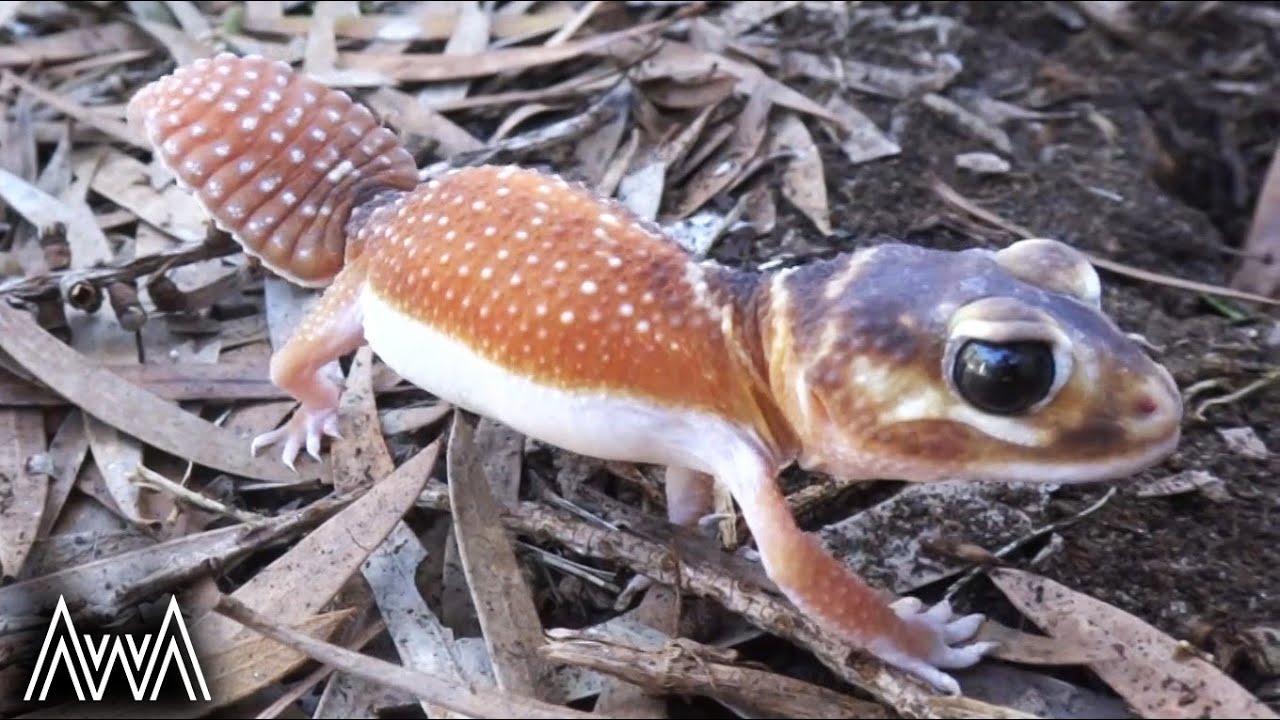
983 162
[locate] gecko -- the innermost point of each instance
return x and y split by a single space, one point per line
515 294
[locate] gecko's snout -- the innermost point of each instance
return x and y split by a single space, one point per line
1155 408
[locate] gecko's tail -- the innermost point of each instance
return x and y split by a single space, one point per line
277 159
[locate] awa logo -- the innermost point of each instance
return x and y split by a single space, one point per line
89 664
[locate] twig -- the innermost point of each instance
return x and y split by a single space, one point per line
1268 378
1019 542
146 477
65 281
318 675
686 668
430 688
949 195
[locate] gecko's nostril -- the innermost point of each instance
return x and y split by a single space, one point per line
1145 406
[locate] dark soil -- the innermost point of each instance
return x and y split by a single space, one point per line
1171 192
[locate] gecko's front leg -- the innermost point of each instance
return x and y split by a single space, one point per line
331 328
920 642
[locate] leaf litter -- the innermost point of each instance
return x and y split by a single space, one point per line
689 115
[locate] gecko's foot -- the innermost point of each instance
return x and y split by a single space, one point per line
306 428
944 635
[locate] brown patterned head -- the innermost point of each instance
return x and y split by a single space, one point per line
921 364
277 159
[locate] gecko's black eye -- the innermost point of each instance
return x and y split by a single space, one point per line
1003 378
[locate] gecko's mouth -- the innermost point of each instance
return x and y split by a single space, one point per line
1109 467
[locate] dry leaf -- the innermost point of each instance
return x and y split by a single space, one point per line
306 578
422 641
236 672
130 409
1147 667
102 583
67 452
438 68
73 44
804 182
1187 481
24 484
727 165
863 141
126 182
359 457
1245 442
508 616
432 689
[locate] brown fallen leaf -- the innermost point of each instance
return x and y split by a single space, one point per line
125 181
117 129
1145 666
73 44
421 26
359 457
399 68
130 409
726 166
504 605
177 382
67 452
238 671
804 181
404 112
309 575
434 690
101 583
23 486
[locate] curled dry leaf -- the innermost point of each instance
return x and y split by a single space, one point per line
1147 667
864 141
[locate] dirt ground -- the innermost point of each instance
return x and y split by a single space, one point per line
1171 192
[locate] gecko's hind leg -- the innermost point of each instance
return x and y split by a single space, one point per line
332 328
690 504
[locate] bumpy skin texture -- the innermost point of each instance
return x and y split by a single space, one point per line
277 159
528 298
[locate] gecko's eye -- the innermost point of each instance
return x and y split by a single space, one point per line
1004 378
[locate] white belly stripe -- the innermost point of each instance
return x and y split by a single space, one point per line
592 424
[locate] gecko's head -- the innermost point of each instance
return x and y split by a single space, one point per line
924 365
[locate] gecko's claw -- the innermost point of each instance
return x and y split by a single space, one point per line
305 430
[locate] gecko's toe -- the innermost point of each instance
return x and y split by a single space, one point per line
266 439
313 445
712 518
940 613
331 426
966 656
964 628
